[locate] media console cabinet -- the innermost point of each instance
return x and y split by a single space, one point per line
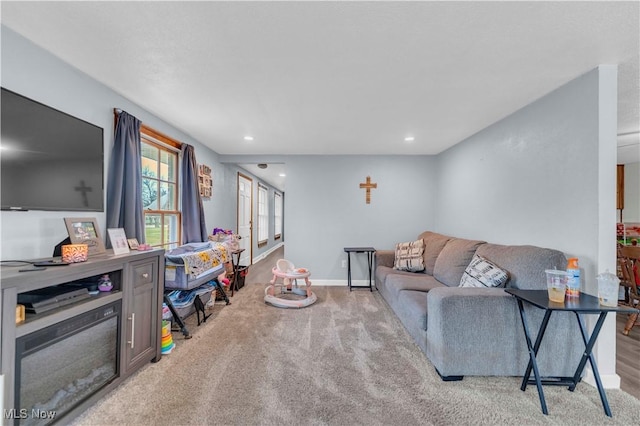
57 363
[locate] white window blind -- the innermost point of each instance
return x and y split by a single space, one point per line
263 215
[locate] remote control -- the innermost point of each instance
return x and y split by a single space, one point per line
50 263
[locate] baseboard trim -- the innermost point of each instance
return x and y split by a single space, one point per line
327 283
266 253
340 283
609 381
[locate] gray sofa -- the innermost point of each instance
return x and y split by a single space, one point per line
478 331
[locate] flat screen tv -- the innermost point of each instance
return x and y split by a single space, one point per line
49 160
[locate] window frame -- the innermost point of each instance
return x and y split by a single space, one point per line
277 215
164 143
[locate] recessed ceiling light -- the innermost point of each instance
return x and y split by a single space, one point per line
409 139
248 138
282 175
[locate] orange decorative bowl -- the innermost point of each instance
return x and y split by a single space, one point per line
73 253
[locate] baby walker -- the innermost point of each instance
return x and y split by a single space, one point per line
284 269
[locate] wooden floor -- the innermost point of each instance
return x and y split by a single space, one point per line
260 272
627 347
628 357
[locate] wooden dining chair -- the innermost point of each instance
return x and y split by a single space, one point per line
629 261
625 278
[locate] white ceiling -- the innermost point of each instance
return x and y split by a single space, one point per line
339 77
274 174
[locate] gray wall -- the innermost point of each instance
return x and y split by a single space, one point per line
325 208
531 178
35 73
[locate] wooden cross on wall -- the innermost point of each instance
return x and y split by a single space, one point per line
368 186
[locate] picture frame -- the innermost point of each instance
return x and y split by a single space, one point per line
119 241
133 243
85 230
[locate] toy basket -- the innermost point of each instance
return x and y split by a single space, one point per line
243 271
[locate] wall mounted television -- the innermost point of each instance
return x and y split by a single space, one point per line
49 160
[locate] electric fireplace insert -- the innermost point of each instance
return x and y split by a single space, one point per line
60 366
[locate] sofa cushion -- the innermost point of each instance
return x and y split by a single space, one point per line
412 310
482 272
409 256
526 264
418 282
433 245
454 259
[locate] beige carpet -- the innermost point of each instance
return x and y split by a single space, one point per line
345 360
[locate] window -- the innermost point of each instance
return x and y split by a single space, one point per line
277 215
162 216
263 215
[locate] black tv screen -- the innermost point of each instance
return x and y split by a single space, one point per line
49 160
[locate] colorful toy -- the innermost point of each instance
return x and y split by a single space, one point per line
167 340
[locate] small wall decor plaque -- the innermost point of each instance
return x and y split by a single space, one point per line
205 183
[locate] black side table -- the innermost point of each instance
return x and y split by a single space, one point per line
585 304
370 252
235 264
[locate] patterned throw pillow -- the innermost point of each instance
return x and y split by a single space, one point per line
482 273
409 256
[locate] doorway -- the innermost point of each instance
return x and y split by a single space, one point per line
245 215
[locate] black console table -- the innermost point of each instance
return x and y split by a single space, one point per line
585 304
370 251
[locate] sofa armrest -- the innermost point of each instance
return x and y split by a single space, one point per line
385 258
478 331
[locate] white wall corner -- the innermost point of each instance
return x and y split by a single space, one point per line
605 347
609 381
